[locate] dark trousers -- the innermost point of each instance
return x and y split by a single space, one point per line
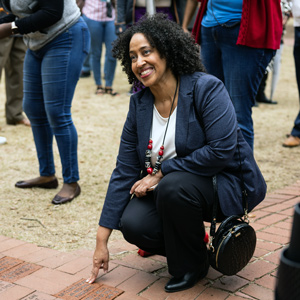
169 221
12 53
296 129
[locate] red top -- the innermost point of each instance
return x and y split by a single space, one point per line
261 23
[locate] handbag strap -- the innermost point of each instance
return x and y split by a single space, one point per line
216 197
214 180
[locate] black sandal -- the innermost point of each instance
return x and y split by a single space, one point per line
100 90
110 91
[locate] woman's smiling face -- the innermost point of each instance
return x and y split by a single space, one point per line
146 62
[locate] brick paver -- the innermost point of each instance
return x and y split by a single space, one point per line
30 272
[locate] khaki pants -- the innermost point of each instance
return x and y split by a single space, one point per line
12 53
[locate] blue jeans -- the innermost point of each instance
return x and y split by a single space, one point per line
241 69
50 77
296 128
102 32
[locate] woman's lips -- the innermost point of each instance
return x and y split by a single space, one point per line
146 72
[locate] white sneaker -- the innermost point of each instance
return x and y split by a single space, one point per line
2 140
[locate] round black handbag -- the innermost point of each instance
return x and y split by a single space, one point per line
232 246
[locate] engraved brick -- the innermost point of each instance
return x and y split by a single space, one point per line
19 271
39 296
4 286
77 290
104 292
7 263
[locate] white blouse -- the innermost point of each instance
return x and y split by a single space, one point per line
159 124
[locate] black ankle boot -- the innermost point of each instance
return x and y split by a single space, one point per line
186 281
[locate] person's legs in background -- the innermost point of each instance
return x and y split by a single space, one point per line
35 110
243 68
53 89
86 68
58 91
14 83
4 53
12 53
261 93
294 139
97 38
110 62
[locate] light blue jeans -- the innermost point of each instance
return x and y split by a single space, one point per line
102 32
241 69
50 77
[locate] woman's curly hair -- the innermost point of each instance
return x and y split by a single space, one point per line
179 49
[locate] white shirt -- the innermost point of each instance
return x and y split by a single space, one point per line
96 10
157 134
296 12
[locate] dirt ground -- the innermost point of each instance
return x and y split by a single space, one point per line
29 215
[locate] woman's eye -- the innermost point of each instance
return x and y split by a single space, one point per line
132 57
147 52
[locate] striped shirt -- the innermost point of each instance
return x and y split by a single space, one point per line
96 10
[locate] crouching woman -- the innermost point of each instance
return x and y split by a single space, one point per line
180 131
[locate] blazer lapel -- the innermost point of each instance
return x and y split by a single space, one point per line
144 122
185 102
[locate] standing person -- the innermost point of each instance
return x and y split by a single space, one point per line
274 65
100 16
58 41
294 139
238 39
12 53
130 11
161 189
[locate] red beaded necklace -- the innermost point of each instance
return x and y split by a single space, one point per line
148 154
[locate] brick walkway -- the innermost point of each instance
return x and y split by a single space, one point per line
31 272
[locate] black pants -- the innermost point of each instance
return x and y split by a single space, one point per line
169 221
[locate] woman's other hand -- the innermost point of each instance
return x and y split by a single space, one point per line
148 183
101 254
5 30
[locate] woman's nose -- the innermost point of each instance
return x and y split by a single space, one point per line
140 61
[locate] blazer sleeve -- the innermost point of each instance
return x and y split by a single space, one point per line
45 13
125 174
220 127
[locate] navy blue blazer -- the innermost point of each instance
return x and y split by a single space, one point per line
205 149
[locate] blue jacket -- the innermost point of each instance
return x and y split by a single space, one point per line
209 152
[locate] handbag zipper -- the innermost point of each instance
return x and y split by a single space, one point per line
217 254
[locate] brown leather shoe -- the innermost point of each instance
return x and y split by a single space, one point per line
57 200
25 122
291 141
53 184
